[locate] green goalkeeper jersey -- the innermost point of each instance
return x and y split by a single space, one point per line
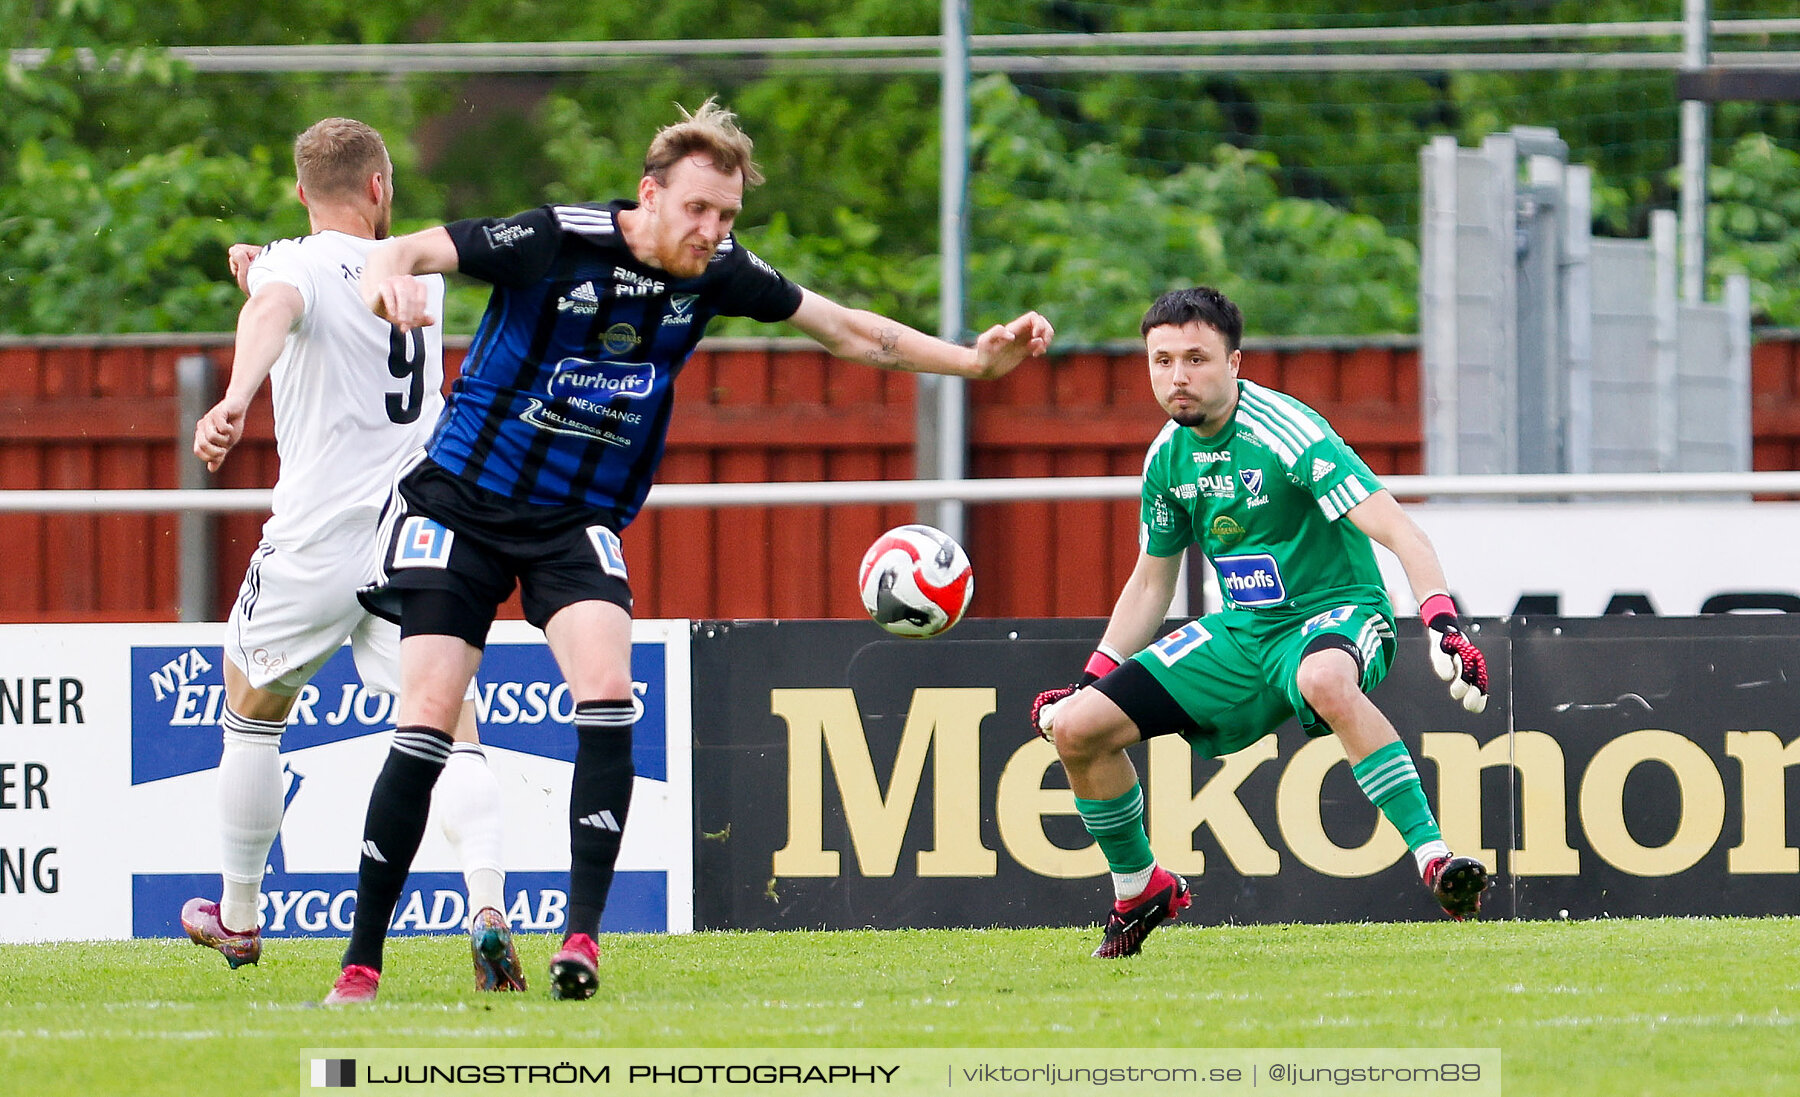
1263 499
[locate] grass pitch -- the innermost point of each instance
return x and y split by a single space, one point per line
1663 1007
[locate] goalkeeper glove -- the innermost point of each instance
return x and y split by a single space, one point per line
1455 659
1102 662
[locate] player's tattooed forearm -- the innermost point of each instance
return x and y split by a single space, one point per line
886 352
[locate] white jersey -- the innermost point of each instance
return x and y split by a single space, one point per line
351 394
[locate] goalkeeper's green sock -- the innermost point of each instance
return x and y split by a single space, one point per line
1390 781
1118 826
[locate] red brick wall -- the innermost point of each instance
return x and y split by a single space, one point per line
102 414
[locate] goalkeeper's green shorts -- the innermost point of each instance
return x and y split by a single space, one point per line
1235 672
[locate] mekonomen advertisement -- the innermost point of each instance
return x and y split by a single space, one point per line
1624 766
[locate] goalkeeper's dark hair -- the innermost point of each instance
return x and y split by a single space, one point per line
1203 304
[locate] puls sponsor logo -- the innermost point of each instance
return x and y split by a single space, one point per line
631 284
1217 487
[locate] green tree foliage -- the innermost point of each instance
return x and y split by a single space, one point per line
1754 226
1103 241
122 175
1078 235
138 248
101 236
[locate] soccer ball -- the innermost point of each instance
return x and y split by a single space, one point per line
916 581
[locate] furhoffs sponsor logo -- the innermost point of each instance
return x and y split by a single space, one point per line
1251 580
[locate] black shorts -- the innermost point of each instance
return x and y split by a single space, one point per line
440 532
1144 700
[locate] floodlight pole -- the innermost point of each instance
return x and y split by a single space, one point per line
1696 131
942 446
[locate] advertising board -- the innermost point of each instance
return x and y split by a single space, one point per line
109 750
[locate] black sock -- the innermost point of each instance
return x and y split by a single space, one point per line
398 807
598 801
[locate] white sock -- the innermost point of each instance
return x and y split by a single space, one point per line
250 806
1428 853
468 800
1130 885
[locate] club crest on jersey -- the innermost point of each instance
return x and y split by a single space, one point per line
422 543
1253 579
1253 480
681 310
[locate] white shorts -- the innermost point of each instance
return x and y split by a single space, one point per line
297 606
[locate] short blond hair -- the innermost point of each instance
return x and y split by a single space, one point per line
712 131
335 156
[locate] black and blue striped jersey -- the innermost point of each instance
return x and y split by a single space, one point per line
566 392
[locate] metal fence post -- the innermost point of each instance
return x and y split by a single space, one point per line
194 394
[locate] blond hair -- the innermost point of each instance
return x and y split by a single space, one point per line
334 157
711 131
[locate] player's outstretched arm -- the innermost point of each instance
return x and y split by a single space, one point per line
1453 656
388 285
263 326
888 344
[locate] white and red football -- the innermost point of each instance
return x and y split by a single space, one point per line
916 581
